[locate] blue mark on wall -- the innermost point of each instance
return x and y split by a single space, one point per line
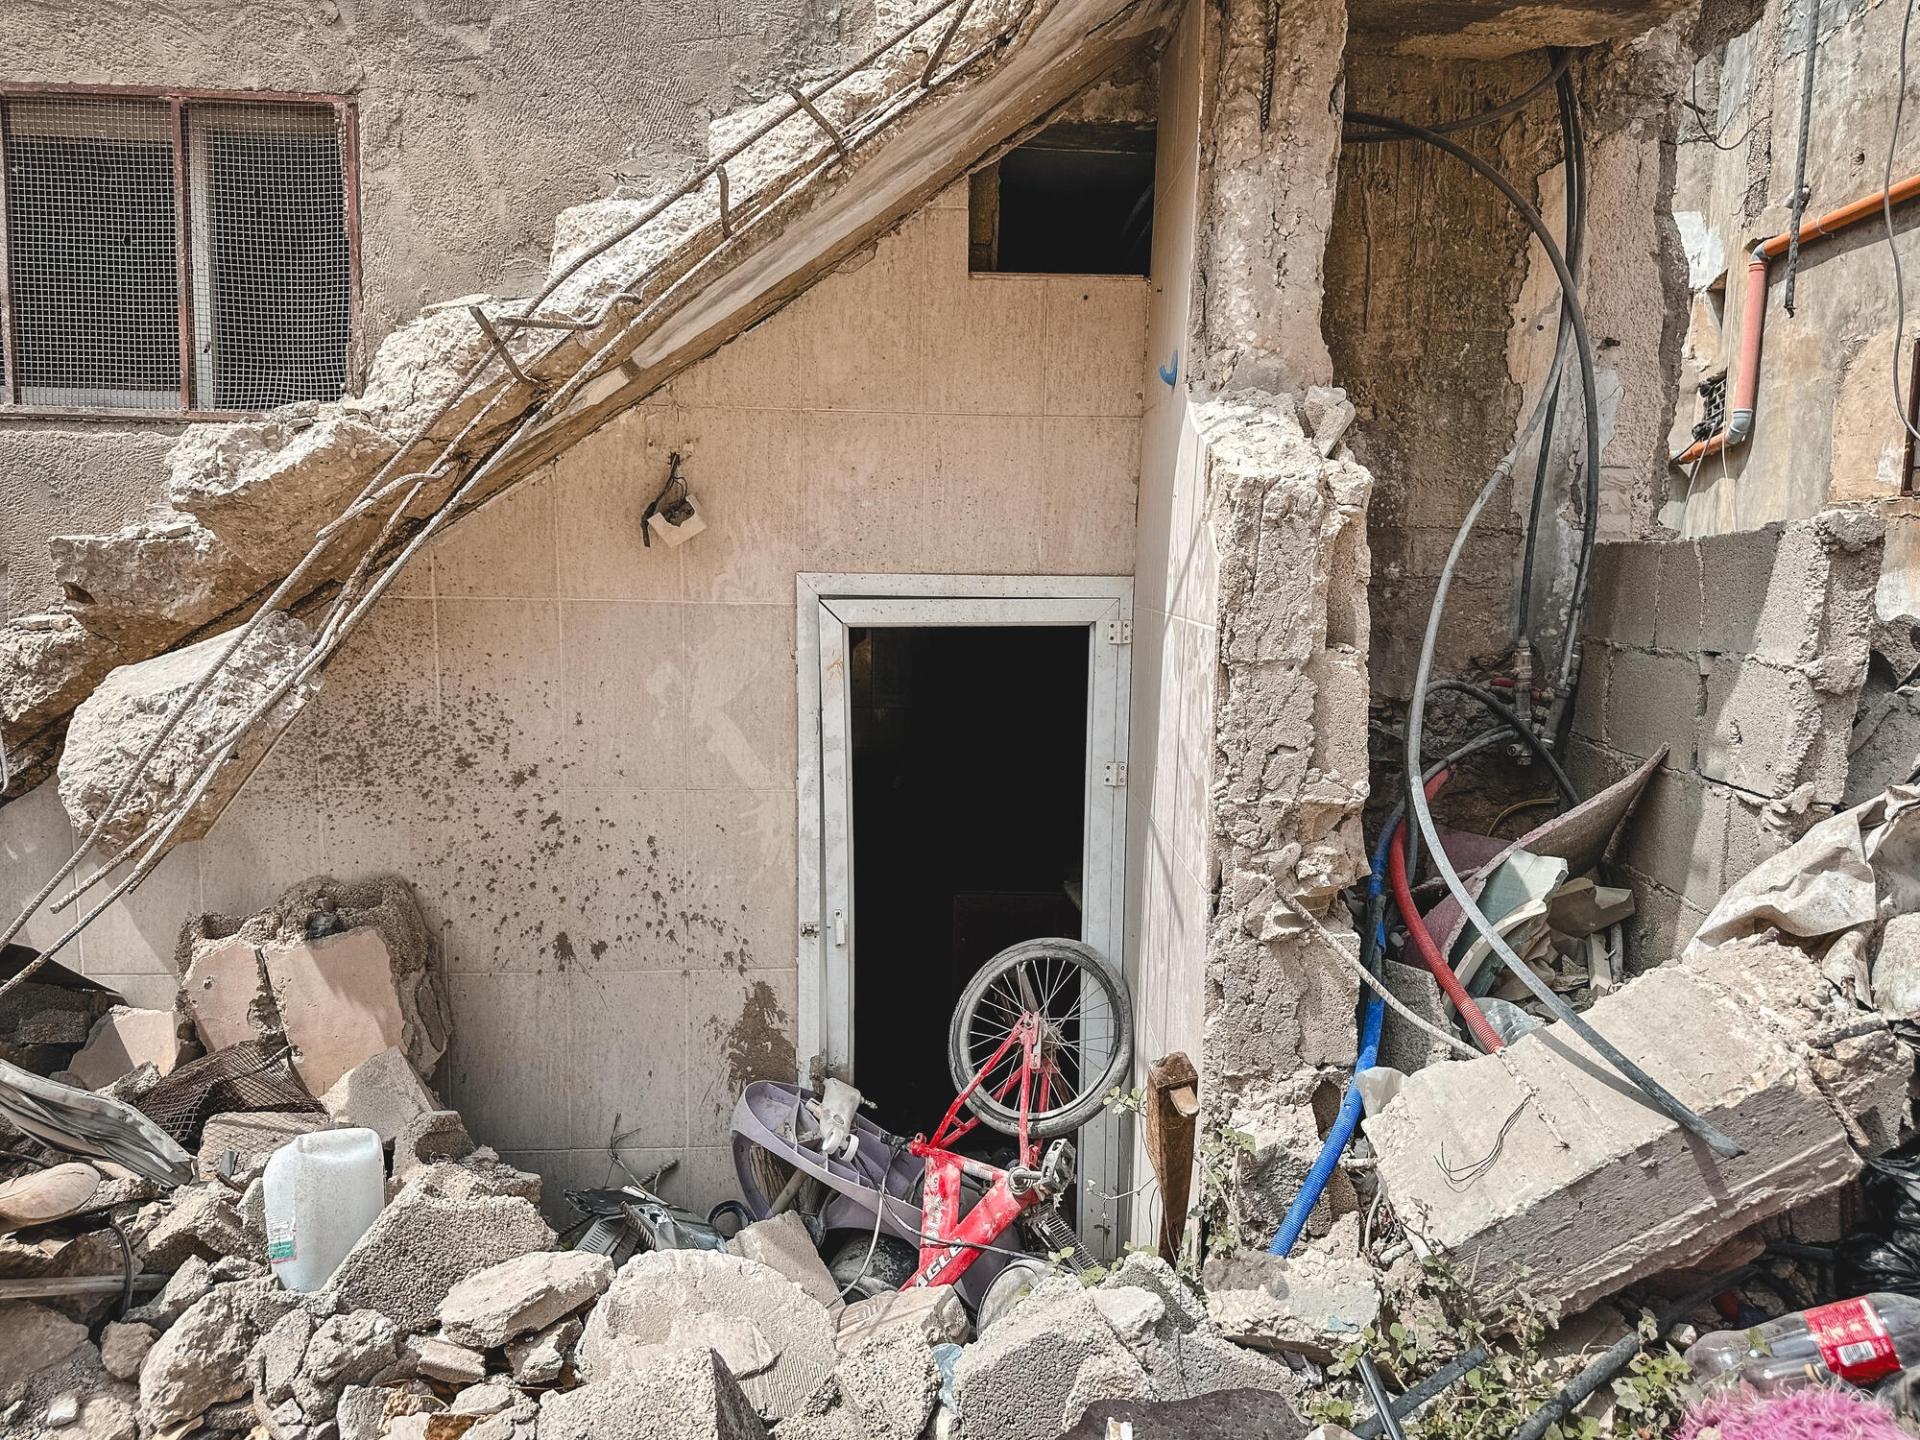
1170 371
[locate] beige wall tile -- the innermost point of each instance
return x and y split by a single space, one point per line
1096 338
136 935
500 702
699 879
864 343
504 548
744 1022
871 502
35 840
625 690
738 467
375 718
736 729
509 1070
627 1069
602 487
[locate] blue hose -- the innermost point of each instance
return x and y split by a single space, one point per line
1348 1120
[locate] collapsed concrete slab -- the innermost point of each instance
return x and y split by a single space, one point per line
683 1394
202 1358
114 726
774 1337
1540 1167
339 970
529 1292
783 1244
1052 1350
423 1245
1313 1303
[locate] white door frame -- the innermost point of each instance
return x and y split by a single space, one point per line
828 606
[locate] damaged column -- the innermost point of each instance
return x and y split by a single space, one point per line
1287 514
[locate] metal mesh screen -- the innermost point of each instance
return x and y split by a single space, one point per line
247 1076
100 230
91 254
272 291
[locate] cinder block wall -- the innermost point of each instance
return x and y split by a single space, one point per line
1744 656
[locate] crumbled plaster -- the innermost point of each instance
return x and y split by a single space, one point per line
1266 201
1289 776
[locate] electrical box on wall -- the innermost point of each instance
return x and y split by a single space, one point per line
677 523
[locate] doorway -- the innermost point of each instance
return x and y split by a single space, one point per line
963 744
969 761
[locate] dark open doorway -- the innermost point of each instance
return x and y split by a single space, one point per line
969 795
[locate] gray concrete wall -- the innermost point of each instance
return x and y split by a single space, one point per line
478 123
1744 655
1826 427
582 751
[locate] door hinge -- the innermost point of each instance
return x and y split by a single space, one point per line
1120 632
1116 773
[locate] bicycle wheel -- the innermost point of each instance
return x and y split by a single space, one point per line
1086 1022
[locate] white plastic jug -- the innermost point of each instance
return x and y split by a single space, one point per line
322 1191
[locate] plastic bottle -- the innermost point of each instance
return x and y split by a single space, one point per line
1860 1341
322 1191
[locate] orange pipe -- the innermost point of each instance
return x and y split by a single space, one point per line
1753 316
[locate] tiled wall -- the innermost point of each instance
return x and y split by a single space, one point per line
582 751
1175 646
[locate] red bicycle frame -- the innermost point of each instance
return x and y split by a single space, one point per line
949 1241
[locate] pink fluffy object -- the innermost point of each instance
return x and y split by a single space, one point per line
1816 1414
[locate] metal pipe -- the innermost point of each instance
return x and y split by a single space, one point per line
1745 389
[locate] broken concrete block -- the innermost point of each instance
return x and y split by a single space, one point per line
443 1360
659 1299
682 1395
183 1288
381 1093
933 1312
541 1358
889 1383
481 1173
349 1349
360 1412
123 1345
36 1337
224 989
528 1292
113 726
337 1003
202 1358
1227 1415
124 1039
783 1244
1016 1381
423 1245
1582 1187
253 1136
429 1138
201 1220
1314 1302
1896 969
277 1355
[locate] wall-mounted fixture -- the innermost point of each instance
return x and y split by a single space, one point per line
673 517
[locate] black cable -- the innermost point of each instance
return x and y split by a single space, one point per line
1561 59
1654 1091
1800 156
1574 1394
1500 711
1441 1380
1377 1393
1573 147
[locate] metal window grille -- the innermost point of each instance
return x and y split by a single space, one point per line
175 253
1713 408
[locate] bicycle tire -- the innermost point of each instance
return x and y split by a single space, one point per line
1046 1124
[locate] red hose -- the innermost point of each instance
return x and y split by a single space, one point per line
1476 1021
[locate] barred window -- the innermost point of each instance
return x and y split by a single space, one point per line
168 253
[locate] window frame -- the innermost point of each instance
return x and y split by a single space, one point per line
177 98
